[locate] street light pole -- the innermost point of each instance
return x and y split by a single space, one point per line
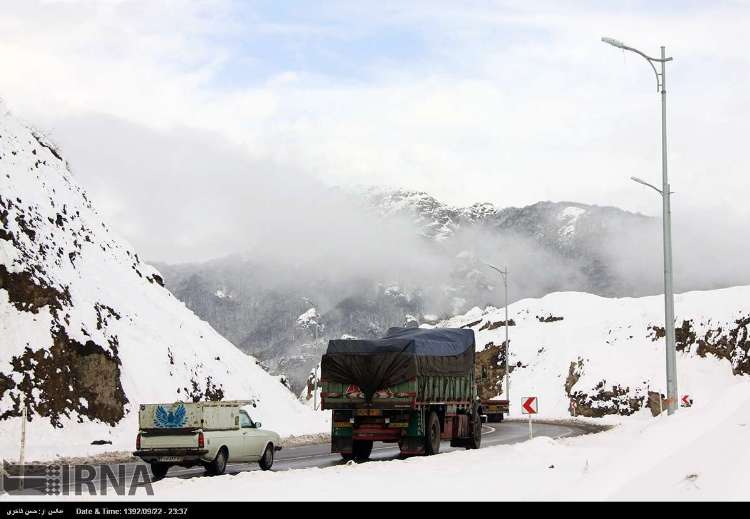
504 274
666 222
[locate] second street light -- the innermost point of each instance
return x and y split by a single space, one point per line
504 274
666 220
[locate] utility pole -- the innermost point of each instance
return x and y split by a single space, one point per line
671 357
667 232
507 344
504 273
315 374
315 388
22 454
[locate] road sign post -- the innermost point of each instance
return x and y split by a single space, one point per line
22 454
531 430
530 406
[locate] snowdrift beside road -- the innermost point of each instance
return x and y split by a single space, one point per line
606 355
88 331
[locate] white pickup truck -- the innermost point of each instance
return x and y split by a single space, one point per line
210 434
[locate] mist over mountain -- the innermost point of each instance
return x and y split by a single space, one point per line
407 259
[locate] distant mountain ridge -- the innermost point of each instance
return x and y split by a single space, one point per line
551 246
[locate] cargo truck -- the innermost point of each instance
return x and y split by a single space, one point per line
208 434
414 387
495 409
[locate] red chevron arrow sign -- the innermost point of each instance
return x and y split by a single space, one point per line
530 405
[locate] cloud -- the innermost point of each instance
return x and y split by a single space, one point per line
508 102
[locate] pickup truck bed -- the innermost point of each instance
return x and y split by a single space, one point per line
202 433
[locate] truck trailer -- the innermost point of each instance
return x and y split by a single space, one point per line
414 387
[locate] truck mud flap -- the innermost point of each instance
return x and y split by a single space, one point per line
410 446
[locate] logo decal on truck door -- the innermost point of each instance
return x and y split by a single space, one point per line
170 419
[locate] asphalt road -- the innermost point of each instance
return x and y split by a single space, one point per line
319 455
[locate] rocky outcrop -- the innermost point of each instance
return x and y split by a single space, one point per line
727 341
602 399
489 370
490 325
68 378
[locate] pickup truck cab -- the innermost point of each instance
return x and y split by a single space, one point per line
209 434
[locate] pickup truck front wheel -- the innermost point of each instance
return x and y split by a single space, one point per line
159 470
219 464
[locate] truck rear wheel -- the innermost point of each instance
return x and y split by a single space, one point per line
432 434
159 470
361 449
476 438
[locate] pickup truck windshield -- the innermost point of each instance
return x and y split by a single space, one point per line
245 420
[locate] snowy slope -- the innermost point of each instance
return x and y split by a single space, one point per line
606 355
87 329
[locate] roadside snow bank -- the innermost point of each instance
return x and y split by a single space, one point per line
698 453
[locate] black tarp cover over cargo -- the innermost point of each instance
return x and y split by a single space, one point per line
403 354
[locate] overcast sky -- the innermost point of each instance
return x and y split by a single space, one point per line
174 115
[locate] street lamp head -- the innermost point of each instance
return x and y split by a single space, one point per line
613 42
641 181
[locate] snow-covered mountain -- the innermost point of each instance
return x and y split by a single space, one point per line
593 356
87 329
558 223
260 307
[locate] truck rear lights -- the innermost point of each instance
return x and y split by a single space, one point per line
368 412
138 442
201 440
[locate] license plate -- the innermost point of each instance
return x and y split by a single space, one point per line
169 458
